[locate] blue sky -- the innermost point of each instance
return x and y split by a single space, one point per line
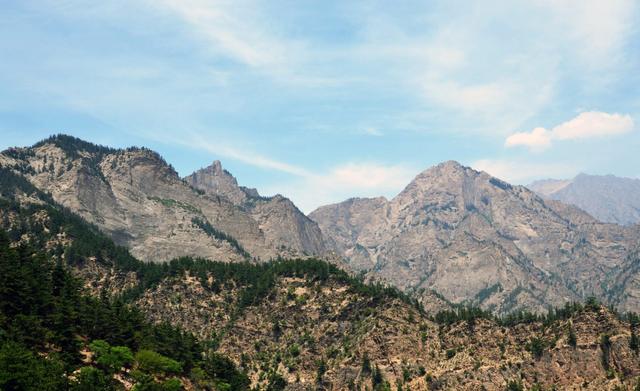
324 100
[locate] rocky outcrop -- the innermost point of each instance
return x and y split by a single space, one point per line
140 201
282 223
474 238
606 197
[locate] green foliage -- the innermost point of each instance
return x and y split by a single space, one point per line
536 347
20 370
572 339
90 379
450 353
173 384
171 203
43 309
112 358
322 368
605 348
294 350
366 365
515 385
634 341
152 362
470 314
223 370
214 233
276 382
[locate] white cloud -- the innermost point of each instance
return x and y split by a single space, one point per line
593 124
588 124
520 172
537 139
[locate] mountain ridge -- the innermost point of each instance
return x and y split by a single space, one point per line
608 198
139 199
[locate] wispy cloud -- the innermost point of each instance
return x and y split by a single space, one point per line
588 124
222 149
596 30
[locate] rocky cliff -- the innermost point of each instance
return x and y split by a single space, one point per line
283 224
141 202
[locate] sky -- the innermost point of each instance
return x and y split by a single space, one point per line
324 100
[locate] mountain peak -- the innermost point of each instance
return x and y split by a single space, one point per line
217 167
449 167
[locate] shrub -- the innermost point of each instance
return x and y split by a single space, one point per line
112 358
294 350
536 347
153 362
572 339
89 379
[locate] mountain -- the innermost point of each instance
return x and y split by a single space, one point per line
476 239
453 235
281 325
606 197
140 201
282 223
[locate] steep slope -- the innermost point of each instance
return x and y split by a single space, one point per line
139 200
606 197
475 238
281 221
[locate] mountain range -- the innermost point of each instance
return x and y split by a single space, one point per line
440 287
608 198
453 235
140 201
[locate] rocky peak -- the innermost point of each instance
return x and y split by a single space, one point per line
452 220
216 180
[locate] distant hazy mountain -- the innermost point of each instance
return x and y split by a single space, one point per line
606 197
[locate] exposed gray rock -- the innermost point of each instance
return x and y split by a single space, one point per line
139 200
283 224
606 197
474 238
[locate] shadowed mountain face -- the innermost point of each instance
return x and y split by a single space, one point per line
141 202
607 198
475 238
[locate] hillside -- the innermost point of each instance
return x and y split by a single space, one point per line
606 197
294 325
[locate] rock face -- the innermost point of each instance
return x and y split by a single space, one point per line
141 202
283 224
474 238
607 198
